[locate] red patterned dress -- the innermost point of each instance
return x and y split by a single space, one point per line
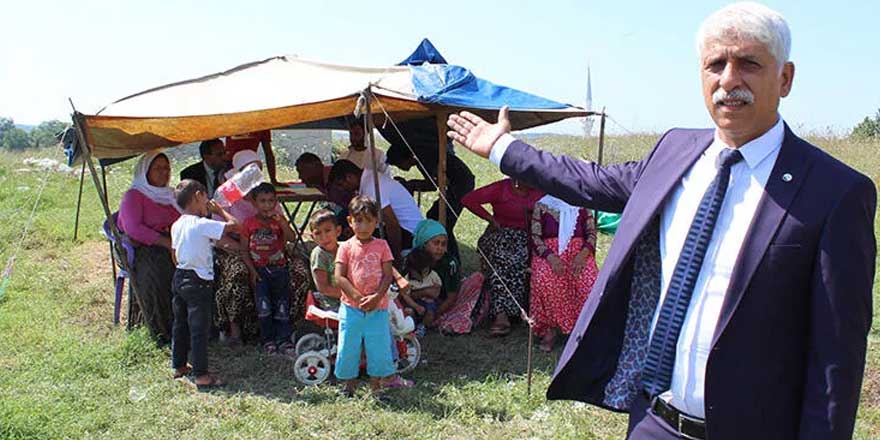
557 299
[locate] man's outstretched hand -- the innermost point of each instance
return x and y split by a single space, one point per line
475 133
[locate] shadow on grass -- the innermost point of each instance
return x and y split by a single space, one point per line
471 372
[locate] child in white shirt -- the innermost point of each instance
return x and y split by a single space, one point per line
192 240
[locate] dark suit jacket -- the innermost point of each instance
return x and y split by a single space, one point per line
789 348
197 172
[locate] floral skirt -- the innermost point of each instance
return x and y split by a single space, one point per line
557 299
234 295
508 253
465 314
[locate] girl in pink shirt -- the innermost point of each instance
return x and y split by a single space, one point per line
363 274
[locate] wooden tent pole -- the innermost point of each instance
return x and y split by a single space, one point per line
371 145
441 166
79 198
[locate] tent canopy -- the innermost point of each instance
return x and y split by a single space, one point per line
289 92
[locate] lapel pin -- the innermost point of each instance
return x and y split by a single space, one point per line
786 177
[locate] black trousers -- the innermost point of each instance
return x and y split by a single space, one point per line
191 303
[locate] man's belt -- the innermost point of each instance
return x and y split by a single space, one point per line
689 427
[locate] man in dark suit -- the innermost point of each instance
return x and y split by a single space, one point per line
209 170
735 300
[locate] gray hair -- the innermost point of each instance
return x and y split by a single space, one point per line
748 20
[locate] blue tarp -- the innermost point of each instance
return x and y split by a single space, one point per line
452 85
437 82
425 53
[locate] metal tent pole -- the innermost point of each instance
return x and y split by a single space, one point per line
82 176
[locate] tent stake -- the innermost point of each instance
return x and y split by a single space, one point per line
601 136
79 198
529 362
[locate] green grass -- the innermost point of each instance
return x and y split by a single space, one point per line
66 372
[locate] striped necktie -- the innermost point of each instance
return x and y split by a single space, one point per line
657 375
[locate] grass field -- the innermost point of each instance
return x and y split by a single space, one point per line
67 372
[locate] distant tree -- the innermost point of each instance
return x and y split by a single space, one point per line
11 137
15 139
6 124
47 133
868 128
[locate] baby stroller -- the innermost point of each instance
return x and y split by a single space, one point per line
316 353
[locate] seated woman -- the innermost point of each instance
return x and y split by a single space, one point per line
234 298
505 245
145 215
563 266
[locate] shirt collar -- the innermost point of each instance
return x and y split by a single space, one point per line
755 151
208 169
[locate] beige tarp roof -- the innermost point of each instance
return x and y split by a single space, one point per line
274 93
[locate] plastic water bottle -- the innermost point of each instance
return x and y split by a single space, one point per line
237 186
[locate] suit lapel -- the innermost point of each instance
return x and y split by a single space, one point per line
794 163
660 178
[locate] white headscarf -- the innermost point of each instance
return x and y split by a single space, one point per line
568 216
240 160
163 195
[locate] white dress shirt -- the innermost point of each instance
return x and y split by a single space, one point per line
747 181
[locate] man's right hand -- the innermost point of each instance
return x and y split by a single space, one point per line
475 133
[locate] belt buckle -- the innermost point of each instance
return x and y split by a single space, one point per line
682 417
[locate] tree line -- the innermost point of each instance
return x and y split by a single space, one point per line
46 134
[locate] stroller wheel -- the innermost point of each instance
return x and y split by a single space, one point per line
410 354
310 342
311 368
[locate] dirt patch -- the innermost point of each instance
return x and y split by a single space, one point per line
91 280
871 387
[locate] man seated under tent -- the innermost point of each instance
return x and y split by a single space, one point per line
315 174
252 141
357 151
400 213
208 171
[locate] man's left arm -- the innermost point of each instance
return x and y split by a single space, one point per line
393 234
840 317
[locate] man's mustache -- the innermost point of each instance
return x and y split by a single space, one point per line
736 94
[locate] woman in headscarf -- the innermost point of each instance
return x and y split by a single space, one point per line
505 244
431 236
145 215
234 296
563 266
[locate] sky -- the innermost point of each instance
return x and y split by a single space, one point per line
641 53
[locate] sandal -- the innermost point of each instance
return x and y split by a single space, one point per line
547 342
270 348
499 330
214 383
287 349
182 371
398 382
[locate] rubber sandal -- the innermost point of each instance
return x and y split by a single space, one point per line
185 371
499 330
213 384
270 348
287 349
398 382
